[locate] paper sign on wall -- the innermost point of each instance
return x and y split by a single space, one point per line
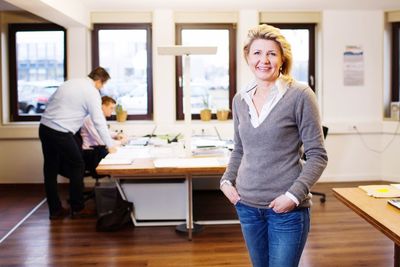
353 66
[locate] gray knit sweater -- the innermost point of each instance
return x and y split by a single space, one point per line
265 161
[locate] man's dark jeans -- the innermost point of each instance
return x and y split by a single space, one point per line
60 149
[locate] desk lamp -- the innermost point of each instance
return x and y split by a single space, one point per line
186 51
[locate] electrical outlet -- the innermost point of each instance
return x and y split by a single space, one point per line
352 127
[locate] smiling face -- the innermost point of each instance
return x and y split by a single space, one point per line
265 59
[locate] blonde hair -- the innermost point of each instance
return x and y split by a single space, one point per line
268 32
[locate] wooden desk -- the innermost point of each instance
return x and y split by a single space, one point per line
145 168
376 211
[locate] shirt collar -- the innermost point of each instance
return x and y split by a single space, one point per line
280 84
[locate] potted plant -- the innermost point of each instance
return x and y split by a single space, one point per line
222 114
120 113
205 113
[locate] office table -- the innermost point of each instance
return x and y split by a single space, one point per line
145 168
376 211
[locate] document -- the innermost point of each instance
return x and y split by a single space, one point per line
115 161
381 191
189 162
125 156
396 185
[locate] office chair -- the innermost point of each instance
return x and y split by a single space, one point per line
322 195
92 158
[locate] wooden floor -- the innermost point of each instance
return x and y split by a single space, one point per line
338 237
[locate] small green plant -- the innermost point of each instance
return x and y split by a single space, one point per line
205 102
120 113
119 108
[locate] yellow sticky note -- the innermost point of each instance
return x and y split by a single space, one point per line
383 190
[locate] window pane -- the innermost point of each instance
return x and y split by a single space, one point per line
209 73
299 40
40 68
124 54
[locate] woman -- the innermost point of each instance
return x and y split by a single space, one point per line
274 117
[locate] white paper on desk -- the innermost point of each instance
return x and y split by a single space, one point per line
111 161
130 152
141 141
396 185
189 162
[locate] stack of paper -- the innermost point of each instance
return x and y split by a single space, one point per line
209 151
381 190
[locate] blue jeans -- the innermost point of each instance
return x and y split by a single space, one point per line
274 239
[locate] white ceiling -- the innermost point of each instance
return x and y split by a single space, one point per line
73 13
226 5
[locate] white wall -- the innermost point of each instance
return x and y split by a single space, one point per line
352 103
345 106
342 107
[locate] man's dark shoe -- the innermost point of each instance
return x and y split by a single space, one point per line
59 215
83 213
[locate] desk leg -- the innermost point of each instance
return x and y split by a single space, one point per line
190 227
190 206
396 255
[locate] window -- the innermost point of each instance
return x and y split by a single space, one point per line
213 77
395 61
37 61
302 40
124 50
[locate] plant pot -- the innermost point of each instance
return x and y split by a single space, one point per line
222 114
122 116
205 114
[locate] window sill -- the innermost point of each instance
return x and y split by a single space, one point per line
19 131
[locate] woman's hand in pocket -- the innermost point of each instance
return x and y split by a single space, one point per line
282 204
231 193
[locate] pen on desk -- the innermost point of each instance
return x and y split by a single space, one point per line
216 130
151 135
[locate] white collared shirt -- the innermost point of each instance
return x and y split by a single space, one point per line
91 137
276 93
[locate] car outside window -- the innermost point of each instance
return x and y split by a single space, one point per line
37 67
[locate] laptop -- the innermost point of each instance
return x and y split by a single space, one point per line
394 202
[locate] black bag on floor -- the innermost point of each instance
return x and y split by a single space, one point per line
113 213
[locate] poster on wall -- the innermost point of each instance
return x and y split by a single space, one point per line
353 66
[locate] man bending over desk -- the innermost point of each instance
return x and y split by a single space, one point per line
64 115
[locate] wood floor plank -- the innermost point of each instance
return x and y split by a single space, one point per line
15 202
338 237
